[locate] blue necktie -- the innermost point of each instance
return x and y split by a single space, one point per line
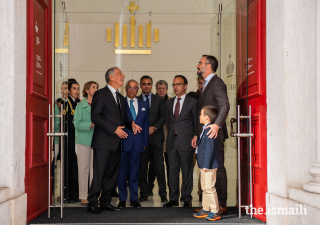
147 97
132 110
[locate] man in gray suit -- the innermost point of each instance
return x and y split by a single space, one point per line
214 93
154 150
181 120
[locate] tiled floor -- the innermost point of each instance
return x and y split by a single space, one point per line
153 201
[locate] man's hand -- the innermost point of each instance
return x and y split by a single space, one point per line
120 132
152 130
136 128
213 132
205 170
194 142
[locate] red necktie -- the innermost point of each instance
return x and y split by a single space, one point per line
176 112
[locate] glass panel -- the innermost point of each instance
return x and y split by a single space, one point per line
228 68
59 95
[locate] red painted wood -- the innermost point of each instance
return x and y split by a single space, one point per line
251 37
37 105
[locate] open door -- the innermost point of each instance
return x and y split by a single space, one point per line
37 105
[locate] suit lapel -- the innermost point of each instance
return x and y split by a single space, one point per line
171 110
128 107
139 108
184 106
206 89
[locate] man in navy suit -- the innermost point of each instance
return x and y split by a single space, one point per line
133 146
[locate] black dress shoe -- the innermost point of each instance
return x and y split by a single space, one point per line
114 194
135 204
122 204
77 200
110 208
164 199
187 204
182 199
143 199
94 210
171 203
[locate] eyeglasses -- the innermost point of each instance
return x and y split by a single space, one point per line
144 84
201 63
177 84
131 88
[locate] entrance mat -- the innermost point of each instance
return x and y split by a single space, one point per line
145 215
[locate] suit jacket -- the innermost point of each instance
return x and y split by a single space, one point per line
208 152
140 140
215 94
106 117
185 125
156 117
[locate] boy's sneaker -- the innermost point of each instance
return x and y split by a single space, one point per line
201 214
213 216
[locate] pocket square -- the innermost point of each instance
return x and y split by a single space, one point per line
143 109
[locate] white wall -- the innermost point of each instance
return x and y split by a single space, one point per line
12 111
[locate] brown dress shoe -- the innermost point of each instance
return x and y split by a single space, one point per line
222 210
197 210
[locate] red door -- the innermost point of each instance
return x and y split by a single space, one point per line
251 33
37 105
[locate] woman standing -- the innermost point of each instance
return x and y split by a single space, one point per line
84 131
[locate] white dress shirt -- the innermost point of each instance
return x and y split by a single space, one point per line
114 93
206 81
181 102
135 104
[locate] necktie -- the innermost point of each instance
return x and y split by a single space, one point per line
118 102
176 112
132 110
147 97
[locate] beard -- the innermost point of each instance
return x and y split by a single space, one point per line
199 73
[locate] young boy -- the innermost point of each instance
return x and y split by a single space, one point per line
208 162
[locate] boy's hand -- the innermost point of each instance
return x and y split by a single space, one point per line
205 170
194 142
213 132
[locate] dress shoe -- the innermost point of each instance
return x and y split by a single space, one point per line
110 208
94 210
164 199
122 204
182 199
222 210
114 194
143 199
171 203
135 204
187 204
77 200
196 210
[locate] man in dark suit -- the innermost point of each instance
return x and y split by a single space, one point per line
133 146
181 120
154 151
109 114
214 93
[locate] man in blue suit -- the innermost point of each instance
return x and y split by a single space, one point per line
133 146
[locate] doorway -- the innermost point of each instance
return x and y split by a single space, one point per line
90 37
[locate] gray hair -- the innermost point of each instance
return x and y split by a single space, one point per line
110 72
160 82
130 81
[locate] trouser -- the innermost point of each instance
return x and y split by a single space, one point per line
184 160
70 170
222 181
209 194
85 168
154 155
152 175
105 176
129 172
